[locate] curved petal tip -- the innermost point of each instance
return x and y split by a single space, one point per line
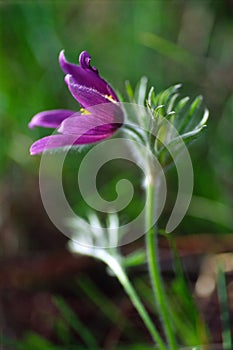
84 60
31 125
62 59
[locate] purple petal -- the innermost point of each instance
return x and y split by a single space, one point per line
85 61
58 141
84 95
108 113
104 118
50 119
86 75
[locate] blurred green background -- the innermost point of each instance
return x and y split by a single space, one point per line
169 42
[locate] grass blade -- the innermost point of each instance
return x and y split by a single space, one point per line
73 320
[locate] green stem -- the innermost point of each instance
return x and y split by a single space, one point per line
119 272
153 259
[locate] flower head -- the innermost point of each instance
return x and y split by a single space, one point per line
98 119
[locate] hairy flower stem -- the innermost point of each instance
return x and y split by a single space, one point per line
152 185
119 272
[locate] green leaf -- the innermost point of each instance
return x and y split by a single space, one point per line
191 135
181 104
62 330
168 116
171 103
177 142
204 119
110 310
151 97
136 258
140 91
74 322
33 341
190 114
169 49
163 97
99 299
129 91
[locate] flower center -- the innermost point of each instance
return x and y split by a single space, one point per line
110 98
84 111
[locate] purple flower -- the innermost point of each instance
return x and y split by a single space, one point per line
98 119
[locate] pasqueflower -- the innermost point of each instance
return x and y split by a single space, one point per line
99 117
